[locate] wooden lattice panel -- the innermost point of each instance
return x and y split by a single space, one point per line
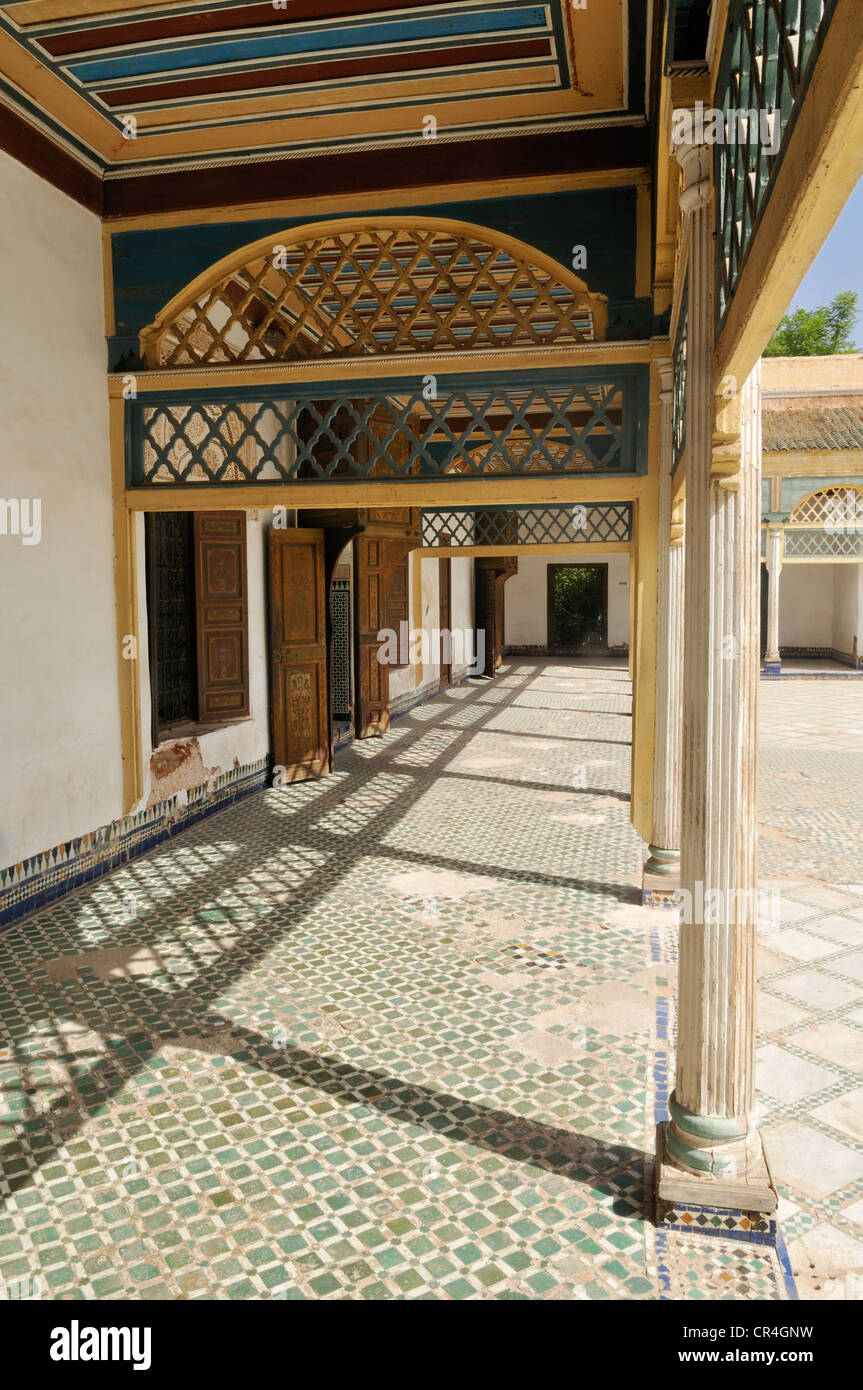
351 290
837 508
578 427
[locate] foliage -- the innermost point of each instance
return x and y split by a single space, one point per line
817 332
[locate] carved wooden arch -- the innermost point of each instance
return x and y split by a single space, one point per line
360 287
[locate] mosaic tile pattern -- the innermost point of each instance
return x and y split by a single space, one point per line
387 1035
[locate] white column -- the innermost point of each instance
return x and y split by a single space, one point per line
712 1148
772 660
665 846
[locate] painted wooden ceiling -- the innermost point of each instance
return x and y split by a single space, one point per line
143 88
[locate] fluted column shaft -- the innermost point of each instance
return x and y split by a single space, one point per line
665 847
772 660
712 1129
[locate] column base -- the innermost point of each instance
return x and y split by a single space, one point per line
664 862
772 667
754 1191
660 878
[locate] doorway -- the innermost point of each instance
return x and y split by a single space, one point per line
578 608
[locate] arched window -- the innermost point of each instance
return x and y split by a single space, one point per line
836 508
358 289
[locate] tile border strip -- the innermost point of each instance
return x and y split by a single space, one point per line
41 879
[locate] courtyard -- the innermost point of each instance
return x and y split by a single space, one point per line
406 1032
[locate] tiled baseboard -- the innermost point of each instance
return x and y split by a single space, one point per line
43 878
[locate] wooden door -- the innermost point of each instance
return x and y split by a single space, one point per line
445 603
381 585
222 616
298 654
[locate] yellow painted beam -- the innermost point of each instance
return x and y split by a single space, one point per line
371 203
643 600
800 464
419 365
416 492
456 552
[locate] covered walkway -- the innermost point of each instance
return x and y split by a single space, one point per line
393 1033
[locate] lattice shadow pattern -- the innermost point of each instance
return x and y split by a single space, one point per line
531 429
362 291
495 526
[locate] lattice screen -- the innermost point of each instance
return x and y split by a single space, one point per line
358 291
573 525
770 50
582 428
838 508
824 545
340 668
826 525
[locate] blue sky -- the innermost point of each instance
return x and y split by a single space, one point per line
839 264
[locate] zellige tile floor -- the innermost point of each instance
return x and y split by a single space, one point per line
393 1034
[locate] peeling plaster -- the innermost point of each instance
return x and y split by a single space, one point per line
178 767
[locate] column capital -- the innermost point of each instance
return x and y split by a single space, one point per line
696 162
665 371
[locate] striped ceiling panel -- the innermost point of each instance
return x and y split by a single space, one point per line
160 86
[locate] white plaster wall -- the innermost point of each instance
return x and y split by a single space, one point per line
431 612
462 606
526 597
60 747
403 679
248 740
847 599
806 606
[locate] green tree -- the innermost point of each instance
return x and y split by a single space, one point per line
817 332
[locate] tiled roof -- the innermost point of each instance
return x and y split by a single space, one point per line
819 429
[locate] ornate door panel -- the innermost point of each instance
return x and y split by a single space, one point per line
298 653
222 616
381 577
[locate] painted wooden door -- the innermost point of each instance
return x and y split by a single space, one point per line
222 616
298 654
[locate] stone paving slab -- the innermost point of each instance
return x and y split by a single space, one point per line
811 993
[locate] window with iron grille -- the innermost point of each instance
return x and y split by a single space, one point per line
197 619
